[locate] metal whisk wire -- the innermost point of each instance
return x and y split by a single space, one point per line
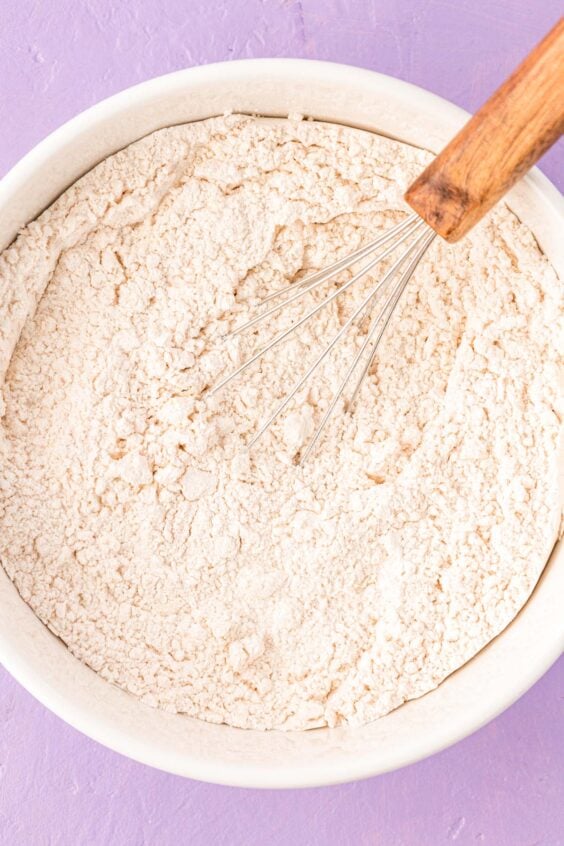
422 243
306 286
405 228
411 226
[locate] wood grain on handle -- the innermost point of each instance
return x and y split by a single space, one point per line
498 145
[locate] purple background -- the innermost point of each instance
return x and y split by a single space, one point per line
501 786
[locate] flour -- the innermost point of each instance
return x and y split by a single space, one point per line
232 585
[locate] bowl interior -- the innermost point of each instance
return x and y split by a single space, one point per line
468 698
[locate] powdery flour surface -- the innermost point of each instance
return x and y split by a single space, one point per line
235 586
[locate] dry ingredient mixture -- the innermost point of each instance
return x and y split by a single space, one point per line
232 585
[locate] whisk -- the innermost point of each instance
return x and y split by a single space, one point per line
521 120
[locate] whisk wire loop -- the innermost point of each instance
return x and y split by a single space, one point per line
410 228
286 332
358 311
423 243
347 261
314 281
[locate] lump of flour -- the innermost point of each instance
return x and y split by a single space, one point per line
232 585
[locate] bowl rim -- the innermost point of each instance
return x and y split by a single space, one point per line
244 774
238 70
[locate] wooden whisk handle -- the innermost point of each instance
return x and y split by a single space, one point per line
498 145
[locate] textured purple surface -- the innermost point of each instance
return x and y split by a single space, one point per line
501 786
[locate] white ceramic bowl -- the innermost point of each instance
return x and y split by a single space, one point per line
41 663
